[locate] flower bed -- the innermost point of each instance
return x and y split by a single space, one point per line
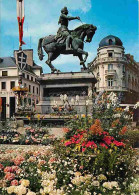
39 170
93 158
34 134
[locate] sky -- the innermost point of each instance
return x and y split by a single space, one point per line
112 17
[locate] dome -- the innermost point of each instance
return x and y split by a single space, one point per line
110 40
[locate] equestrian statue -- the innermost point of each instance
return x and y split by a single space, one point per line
66 41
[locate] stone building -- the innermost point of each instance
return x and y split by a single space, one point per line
9 77
116 71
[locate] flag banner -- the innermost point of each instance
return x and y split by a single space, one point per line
20 18
22 60
0 104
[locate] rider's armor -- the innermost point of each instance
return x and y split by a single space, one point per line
63 32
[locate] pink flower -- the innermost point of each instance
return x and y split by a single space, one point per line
9 176
32 130
15 168
14 183
91 144
83 149
52 159
18 160
68 143
8 169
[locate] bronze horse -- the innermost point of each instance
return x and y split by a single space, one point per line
54 47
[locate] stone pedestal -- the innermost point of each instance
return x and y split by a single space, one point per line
70 83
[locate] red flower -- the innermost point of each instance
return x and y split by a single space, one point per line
103 145
83 149
108 139
118 143
83 144
14 183
123 130
91 144
9 176
1 166
105 133
8 169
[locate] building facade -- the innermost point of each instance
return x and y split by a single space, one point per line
116 71
9 78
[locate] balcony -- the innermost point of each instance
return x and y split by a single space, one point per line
109 60
110 72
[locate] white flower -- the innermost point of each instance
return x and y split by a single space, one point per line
96 183
65 97
31 193
108 106
77 98
136 105
61 97
20 190
10 189
126 109
72 101
90 93
55 103
87 102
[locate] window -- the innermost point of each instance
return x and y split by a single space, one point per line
123 68
12 84
25 84
110 41
3 85
23 74
29 88
37 90
31 78
33 89
110 54
4 73
110 67
110 82
35 80
25 101
27 76
29 101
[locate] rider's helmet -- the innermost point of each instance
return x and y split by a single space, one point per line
64 10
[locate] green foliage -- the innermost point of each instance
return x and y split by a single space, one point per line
132 136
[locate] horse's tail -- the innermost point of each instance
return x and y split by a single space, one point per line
40 51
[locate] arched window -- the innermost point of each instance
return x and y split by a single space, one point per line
110 41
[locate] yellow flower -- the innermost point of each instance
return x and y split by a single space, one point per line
110 151
28 117
83 116
115 147
38 116
78 146
77 174
98 151
25 182
10 189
